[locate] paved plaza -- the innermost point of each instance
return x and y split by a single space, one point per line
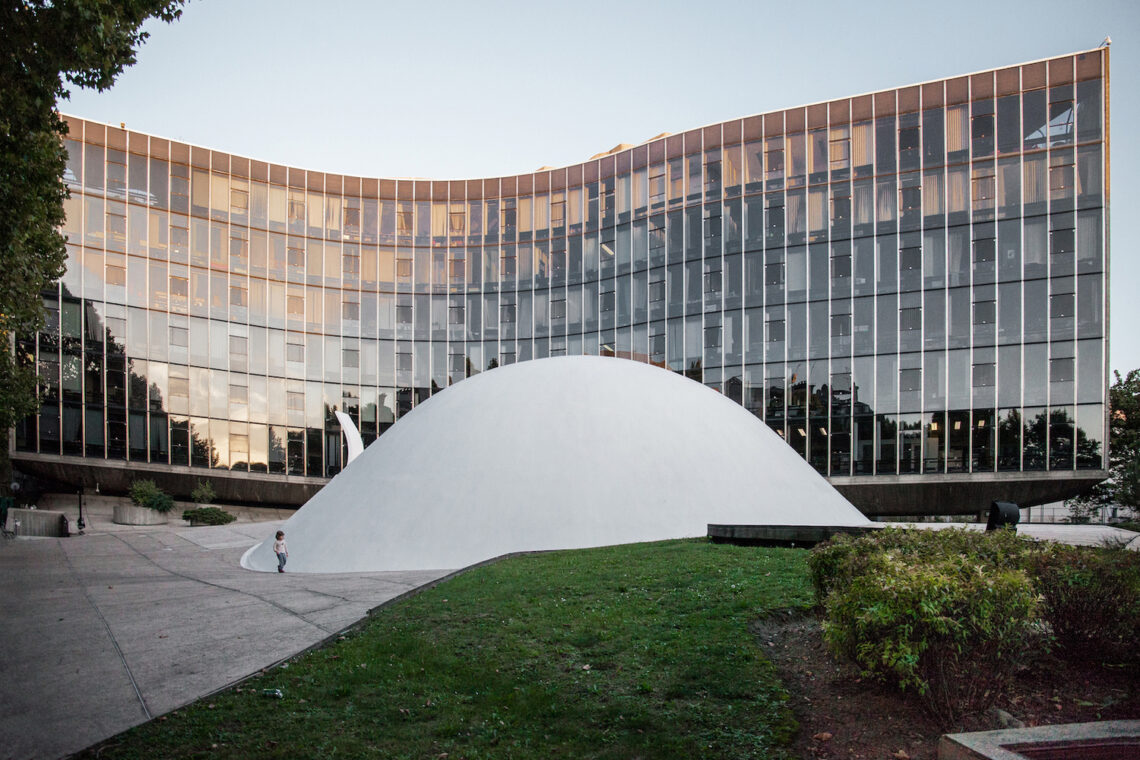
103 631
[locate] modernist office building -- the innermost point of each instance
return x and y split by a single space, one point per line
908 286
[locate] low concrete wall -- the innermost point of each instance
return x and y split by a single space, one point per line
100 508
68 503
38 522
1105 739
94 503
66 473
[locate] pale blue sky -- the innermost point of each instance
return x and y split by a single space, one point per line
460 89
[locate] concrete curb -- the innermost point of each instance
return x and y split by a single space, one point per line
1064 740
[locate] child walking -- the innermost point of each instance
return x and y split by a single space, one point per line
281 550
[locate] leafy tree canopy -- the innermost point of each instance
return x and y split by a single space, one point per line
1123 485
47 44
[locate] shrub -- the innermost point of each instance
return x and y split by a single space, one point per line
145 493
1091 599
948 613
943 612
949 627
203 493
836 562
208 516
832 563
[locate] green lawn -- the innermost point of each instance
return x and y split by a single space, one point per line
623 652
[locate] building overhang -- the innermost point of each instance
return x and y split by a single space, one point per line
961 493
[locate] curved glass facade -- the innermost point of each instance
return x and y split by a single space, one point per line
906 282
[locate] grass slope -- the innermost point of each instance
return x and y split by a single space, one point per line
622 652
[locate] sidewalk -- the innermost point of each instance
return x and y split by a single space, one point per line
1062 533
103 631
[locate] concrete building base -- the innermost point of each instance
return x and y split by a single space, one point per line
960 493
875 496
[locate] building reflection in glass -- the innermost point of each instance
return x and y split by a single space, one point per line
907 282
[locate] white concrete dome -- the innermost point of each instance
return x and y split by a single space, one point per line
558 453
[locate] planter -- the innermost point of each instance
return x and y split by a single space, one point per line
130 514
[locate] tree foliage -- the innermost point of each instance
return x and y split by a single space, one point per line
1123 485
146 493
47 45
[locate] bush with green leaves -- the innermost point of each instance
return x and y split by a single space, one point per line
1091 599
208 516
950 612
203 493
836 562
833 562
145 493
946 613
950 628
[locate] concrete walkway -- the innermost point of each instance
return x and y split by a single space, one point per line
1061 533
103 631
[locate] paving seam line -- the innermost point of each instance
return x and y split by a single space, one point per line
107 627
219 586
413 591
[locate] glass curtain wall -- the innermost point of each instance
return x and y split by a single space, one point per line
906 282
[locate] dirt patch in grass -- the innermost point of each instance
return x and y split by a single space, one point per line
844 716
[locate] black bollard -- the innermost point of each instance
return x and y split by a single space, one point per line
1003 513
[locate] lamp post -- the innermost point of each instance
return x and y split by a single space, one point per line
15 489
